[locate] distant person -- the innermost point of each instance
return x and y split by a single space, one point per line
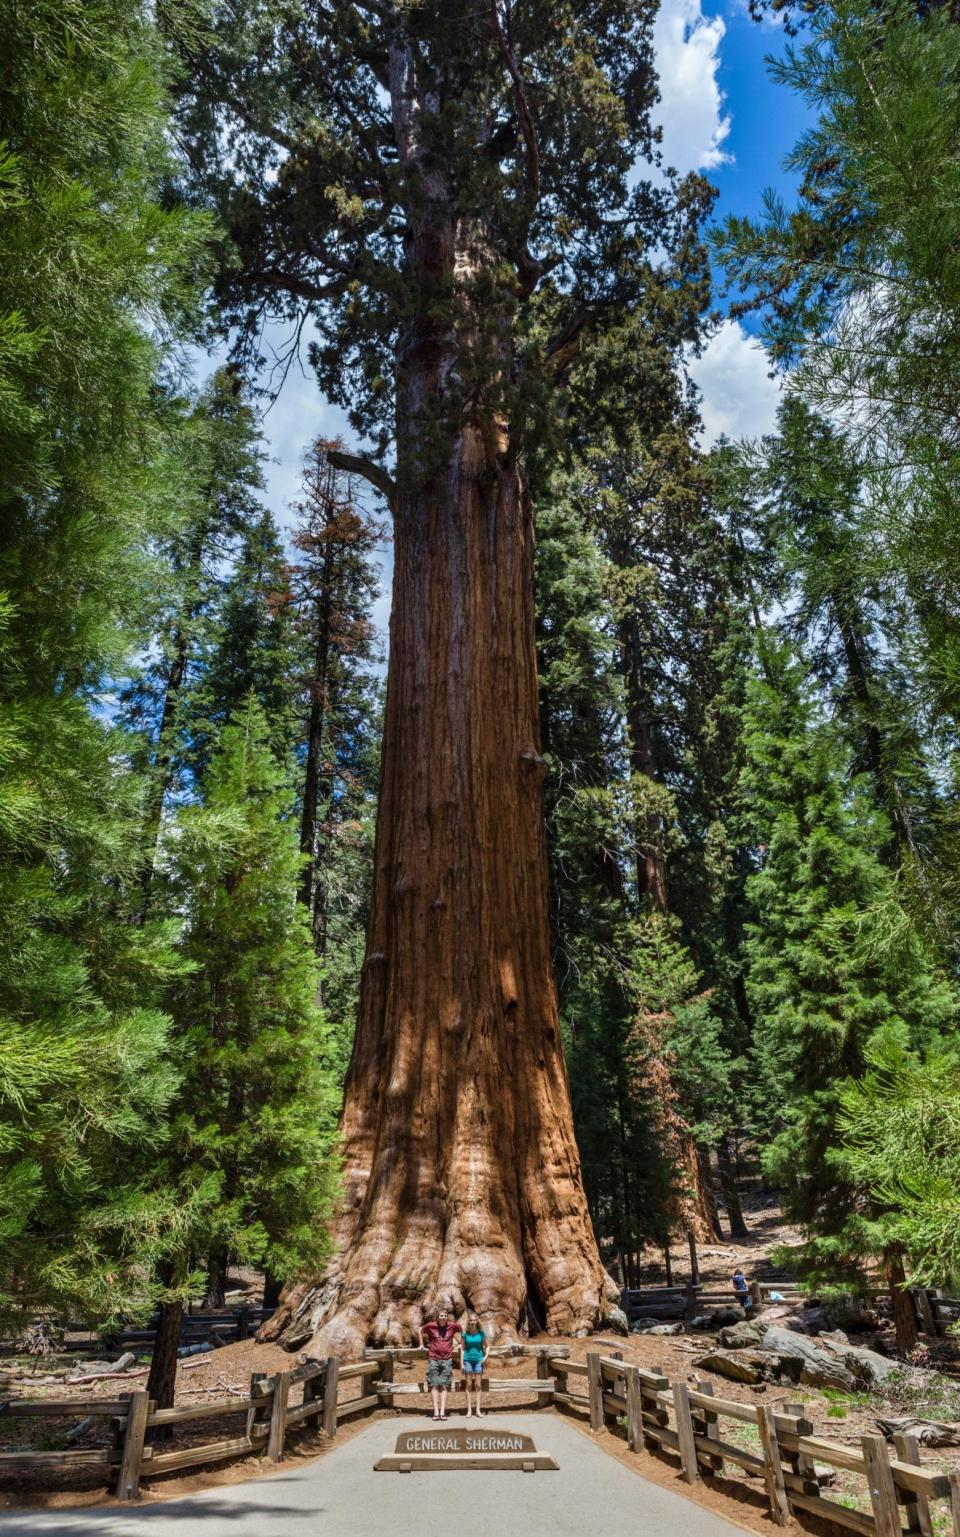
438 1335
741 1290
473 1356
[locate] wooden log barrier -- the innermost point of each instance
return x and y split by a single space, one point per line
278 1417
595 1389
773 1468
685 1441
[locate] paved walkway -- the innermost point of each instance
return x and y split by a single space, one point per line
339 1495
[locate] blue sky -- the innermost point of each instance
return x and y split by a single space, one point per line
720 113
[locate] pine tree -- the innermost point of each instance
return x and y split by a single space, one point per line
835 961
251 1142
97 266
213 506
246 645
900 1125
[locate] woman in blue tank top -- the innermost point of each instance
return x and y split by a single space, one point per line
473 1354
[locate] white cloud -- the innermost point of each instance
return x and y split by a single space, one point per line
739 397
687 47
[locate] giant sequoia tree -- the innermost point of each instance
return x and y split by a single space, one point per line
447 193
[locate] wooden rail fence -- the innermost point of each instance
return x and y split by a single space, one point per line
683 1420
686 1421
934 1311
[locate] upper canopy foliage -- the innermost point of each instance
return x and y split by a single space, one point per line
455 180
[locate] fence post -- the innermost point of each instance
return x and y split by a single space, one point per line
635 1439
243 1323
954 1478
684 1419
386 1375
923 1309
917 1506
801 1462
690 1302
595 1389
255 1412
543 1371
706 1422
559 1371
278 1416
131 1457
331 1385
883 1490
772 1466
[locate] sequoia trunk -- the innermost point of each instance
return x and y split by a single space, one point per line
462 1179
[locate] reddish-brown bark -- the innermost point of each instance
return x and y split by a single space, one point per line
462 1177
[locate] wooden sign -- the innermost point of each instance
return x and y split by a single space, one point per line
466 1447
462 1438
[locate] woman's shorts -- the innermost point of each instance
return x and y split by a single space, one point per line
439 1374
473 1368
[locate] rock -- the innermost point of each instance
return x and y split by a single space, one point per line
786 1342
643 1325
826 1374
817 1368
927 1432
665 1329
743 1366
723 1318
616 1319
742 1335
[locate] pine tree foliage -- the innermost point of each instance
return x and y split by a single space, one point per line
901 1137
835 961
252 1126
97 270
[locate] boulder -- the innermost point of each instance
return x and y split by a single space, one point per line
616 1319
739 1366
826 1374
724 1318
665 1329
742 1336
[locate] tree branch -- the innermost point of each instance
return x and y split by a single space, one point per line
355 465
523 108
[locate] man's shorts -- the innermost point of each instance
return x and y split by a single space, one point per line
439 1374
474 1368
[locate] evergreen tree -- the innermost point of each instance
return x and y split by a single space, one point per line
901 1140
834 960
213 508
97 266
246 645
251 1139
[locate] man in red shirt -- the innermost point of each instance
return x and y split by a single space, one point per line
438 1336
